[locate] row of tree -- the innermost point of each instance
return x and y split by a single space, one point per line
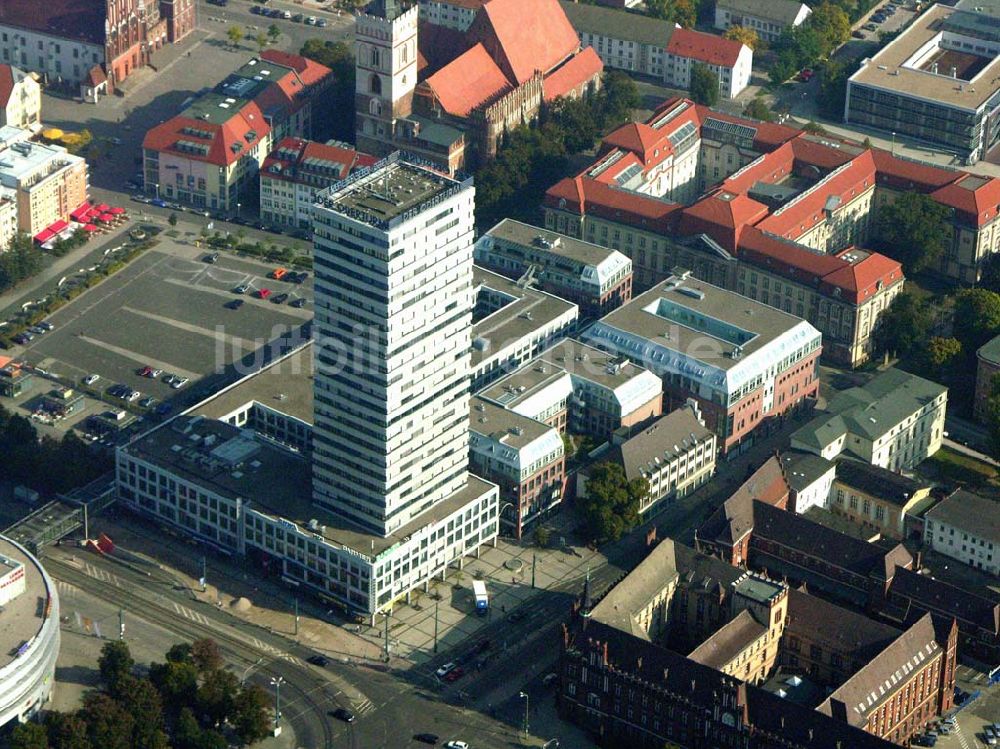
532 158
22 260
188 702
45 464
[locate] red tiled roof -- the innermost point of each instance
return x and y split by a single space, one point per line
722 216
583 195
309 71
236 129
856 280
582 67
6 84
637 137
768 135
903 174
96 76
524 38
808 210
707 48
976 197
438 45
467 82
820 155
770 168
292 153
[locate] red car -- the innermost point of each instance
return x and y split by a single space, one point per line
806 75
455 674
263 293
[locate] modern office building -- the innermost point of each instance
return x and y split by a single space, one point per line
594 278
31 633
524 457
744 362
894 421
965 527
295 171
936 82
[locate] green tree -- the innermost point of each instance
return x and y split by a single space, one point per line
782 68
274 32
542 536
977 317
172 219
814 127
261 40
904 327
29 736
913 230
743 35
66 731
832 23
758 109
704 88
939 358
611 506
176 681
141 700
619 96
235 34
217 696
109 726
115 665
179 653
205 655
187 732
577 118
833 76
251 718
333 113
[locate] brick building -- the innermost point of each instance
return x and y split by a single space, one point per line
180 17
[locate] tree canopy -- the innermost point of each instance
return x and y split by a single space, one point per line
913 230
704 88
904 326
333 113
758 109
977 317
743 35
611 506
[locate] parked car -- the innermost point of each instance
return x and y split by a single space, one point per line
235 304
870 27
22 338
148 402
426 738
158 202
343 714
280 299
241 289
858 34
456 745
318 660
46 325
133 396
212 259
256 10
279 273
263 293
455 674
179 382
299 303
322 23
806 74
311 20
91 379
444 670
298 18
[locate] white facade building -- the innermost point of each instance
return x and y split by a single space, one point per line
966 527
767 17
31 633
452 14
730 61
20 99
895 421
8 218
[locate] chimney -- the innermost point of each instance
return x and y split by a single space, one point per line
838 710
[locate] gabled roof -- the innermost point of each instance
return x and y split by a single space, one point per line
942 599
723 216
583 195
467 82
69 19
584 66
728 641
6 83
975 196
293 158
707 48
879 482
898 173
638 138
734 519
968 512
438 45
310 72
783 11
524 38
245 128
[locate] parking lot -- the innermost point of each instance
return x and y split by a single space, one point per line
171 311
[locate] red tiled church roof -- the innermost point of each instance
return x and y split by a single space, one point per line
707 48
523 39
467 82
582 67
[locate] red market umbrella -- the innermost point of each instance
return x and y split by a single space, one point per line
103 207
89 228
44 236
116 211
58 226
105 218
80 213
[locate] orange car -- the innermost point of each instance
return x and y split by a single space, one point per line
278 273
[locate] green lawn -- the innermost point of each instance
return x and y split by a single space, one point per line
953 467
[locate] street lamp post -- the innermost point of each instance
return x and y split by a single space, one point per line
249 668
238 204
276 682
526 702
436 602
893 152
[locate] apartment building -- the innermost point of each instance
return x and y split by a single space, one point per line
742 361
8 219
730 61
524 457
594 278
675 455
20 99
965 527
46 183
577 388
451 14
513 324
210 155
894 421
769 18
809 479
295 171
875 499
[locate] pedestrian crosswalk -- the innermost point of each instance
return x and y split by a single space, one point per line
100 574
192 615
66 589
363 707
271 650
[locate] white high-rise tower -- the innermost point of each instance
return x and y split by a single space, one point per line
394 301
